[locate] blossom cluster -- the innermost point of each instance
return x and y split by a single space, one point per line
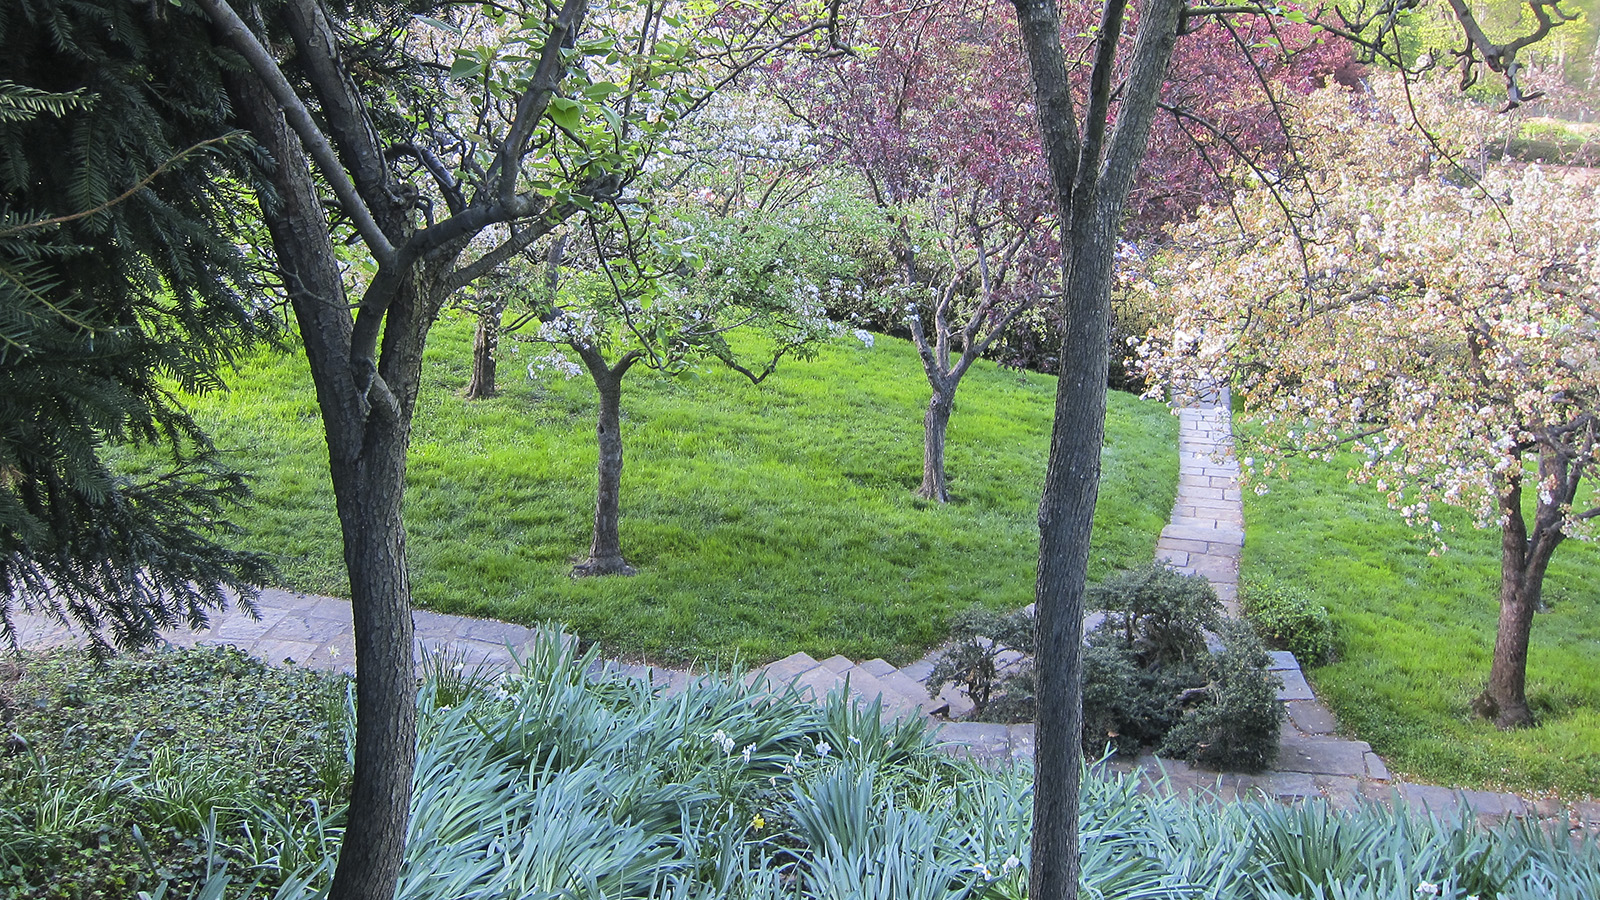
1441 324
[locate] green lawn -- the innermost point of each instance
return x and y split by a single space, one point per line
763 520
1416 635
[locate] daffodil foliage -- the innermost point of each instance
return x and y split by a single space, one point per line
1436 315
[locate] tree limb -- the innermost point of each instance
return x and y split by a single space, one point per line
239 36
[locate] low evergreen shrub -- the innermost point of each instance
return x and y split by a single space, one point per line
568 779
1148 678
1288 618
973 662
1235 725
1160 612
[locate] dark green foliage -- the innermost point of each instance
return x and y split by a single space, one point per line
1235 726
187 745
1149 680
1160 613
973 659
120 279
1287 618
1128 705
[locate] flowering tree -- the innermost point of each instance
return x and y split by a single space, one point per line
1446 330
667 295
1094 134
936 116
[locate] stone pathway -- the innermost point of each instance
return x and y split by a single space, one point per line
1206 531
1205 537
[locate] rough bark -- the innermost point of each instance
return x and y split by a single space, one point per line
1091 178
485 350
605 550
367 456
935 423
1523 561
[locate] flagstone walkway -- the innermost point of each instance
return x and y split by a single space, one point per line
1205 537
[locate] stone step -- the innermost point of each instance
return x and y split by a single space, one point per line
916 691
866 688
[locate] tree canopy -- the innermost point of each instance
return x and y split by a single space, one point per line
1440 324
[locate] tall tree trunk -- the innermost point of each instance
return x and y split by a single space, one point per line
605 551
1091 180
367 445
1066 524
485 350
934 426
1523 562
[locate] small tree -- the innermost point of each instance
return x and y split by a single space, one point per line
667 295
1444 327
934 119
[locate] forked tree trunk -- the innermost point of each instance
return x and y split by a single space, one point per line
1523 562
367 457
605 550
1091 178
486 350
935 423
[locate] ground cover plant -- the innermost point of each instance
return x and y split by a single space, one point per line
1416 631
566 780
763 520
161 765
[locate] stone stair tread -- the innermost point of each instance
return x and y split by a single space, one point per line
816 684
877 667
785 670
865 688
915 691
838 664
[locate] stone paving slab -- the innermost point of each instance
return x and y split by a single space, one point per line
1311 717
1322 757
1294 686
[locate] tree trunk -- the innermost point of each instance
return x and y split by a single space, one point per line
1066 523
370 494
605 551
1522 567
934 425
1091 190
485 350
367 456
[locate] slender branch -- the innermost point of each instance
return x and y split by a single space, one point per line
1158 34
318 53
1094 119
531 105
447 184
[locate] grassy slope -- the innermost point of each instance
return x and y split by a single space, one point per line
1417 635
763 520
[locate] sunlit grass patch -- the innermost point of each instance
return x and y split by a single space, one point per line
763 520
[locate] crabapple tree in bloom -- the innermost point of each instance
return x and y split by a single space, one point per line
664 290
1444 328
